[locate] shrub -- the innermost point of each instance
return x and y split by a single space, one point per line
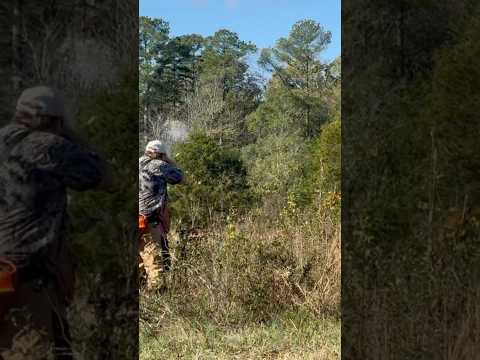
103 230
252 271
275 167
322 169
215 184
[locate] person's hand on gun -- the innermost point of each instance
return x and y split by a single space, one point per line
108 183
167 159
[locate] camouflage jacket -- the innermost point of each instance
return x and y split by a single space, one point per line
154 175
36 168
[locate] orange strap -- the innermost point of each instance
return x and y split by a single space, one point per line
7 273
142 223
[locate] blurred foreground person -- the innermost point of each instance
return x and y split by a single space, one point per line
156 170
40 159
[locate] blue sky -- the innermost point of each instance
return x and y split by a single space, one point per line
260 21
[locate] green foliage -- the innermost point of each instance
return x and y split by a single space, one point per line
203 82
306 40
227 43
284 336
326 158
300 78
98 111
449 123
411 171
176 69
276 114
223 67
222 115
216 181
152 34
285 170
255 161
168 69
322 182
223 56
275 167
450 118
254 270
104 224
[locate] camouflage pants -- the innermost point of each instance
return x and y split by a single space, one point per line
155 252
35 327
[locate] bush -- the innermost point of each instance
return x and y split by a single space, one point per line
215 184
103 230
322 169
275 167
252 271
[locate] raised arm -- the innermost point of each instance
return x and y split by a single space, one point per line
77 167
171 171
172 174
104 169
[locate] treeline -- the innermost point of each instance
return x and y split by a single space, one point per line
411 226
275 145
262 163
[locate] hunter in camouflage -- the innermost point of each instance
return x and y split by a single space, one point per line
156 171
40 160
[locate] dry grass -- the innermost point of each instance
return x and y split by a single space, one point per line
427 309
251 289
291 336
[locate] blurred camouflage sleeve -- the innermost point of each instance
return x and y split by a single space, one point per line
75 166
172 174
